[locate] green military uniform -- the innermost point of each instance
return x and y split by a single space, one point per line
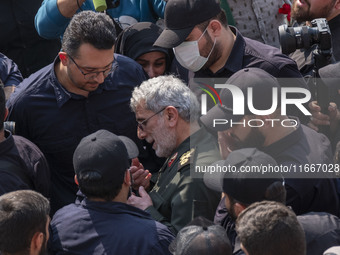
177 197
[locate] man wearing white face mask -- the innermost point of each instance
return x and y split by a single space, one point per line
203 43
188 54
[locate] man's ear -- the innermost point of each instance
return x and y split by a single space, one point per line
238 208
36 242
63 57
76 180
171 116
127 177
337 4
215 28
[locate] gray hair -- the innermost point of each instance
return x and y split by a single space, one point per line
162 91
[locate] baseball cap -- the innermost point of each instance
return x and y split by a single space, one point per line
201 240
181 16
105 153
245 187
262 84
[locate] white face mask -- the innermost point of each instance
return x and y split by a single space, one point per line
188 54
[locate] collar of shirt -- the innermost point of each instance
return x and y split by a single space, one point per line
63 95
114 208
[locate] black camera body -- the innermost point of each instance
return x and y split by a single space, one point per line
292 38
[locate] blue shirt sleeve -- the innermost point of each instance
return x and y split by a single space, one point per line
50 23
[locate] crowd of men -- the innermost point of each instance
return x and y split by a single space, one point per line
140 139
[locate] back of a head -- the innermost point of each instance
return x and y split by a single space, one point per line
244 185
89 27
167 90
270 228
201 240
100 162
22 214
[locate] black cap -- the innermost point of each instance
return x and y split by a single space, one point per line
262 84
245 187
138 39
105 153
181 16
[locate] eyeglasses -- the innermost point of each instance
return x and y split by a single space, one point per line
143 124
93 75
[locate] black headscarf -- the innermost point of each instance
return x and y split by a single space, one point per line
138 39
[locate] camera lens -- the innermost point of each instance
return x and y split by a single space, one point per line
287 39
292 38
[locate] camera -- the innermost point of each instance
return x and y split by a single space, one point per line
292 38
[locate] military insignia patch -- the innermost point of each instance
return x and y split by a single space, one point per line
185 159
172 159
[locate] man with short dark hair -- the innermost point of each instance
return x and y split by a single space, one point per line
102 223
24 222
87 88
270 228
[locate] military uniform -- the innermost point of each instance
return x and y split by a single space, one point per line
177 197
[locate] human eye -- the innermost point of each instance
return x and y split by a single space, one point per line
143 64
159 64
